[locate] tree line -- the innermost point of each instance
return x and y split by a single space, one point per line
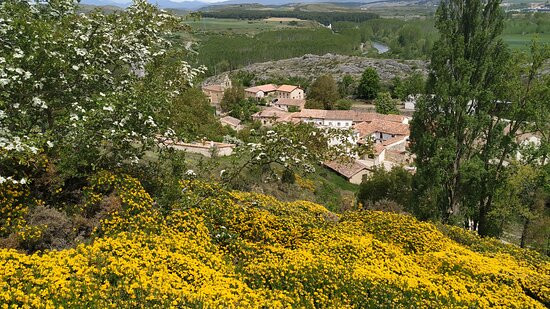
324 18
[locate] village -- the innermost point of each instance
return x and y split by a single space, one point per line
387 134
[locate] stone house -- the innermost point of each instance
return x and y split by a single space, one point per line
215 92
353 171
261 91
382 130
231 122
290 92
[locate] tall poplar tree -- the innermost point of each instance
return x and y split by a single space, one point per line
484 98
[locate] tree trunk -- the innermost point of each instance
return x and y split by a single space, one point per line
524 233
483 223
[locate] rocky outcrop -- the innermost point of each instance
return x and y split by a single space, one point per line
310 66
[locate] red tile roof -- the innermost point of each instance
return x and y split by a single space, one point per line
384 126
275 113
267 88
347 170
355 116
230 120
286 88
264 88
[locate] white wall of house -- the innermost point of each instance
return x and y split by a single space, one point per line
258 95
297 94
315 121
338 124
294 94
358 178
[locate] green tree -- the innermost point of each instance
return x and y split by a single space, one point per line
344 104
192 117
346 86
464 135
393 185
385 104
522 199
232 97
398 89
325 91
244 109
314 104
369 85
414 84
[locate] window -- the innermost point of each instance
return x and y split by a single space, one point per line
338 124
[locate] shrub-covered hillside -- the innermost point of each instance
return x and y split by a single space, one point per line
215 248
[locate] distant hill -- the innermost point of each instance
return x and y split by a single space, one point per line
200 5
165 4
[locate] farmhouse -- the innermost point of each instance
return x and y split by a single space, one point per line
290 92
260 92
353 171
231 122
382 130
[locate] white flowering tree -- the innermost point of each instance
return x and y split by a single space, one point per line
73 87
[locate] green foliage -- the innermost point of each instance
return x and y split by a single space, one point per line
369 85
385 104
288 176
344 104
414 84
241 50
293 109
232 97
192 117
397 88
244 109
393 185
324 91
465 134
522 199
346 86
244 78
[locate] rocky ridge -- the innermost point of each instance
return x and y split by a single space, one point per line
310 66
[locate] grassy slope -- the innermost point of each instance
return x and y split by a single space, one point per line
232 249
324 186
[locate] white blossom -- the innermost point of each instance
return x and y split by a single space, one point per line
18 53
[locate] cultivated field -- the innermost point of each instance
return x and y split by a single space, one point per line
250 27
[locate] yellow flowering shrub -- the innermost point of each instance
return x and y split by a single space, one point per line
15 204
12 207
224 249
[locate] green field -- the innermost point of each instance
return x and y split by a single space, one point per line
522 42
248 27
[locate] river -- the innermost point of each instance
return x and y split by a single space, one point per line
381 48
